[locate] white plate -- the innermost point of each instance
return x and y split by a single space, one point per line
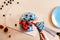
56 17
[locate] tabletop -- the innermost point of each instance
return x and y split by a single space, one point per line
42 8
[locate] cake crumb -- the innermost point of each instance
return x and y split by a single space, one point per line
5 29
1 26
9 36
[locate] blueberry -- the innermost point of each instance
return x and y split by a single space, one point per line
30 28
26 15
30 25
30 15
31 19
24 18
28 19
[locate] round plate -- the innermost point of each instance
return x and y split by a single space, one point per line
56 17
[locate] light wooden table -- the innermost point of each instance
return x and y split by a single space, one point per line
42 8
